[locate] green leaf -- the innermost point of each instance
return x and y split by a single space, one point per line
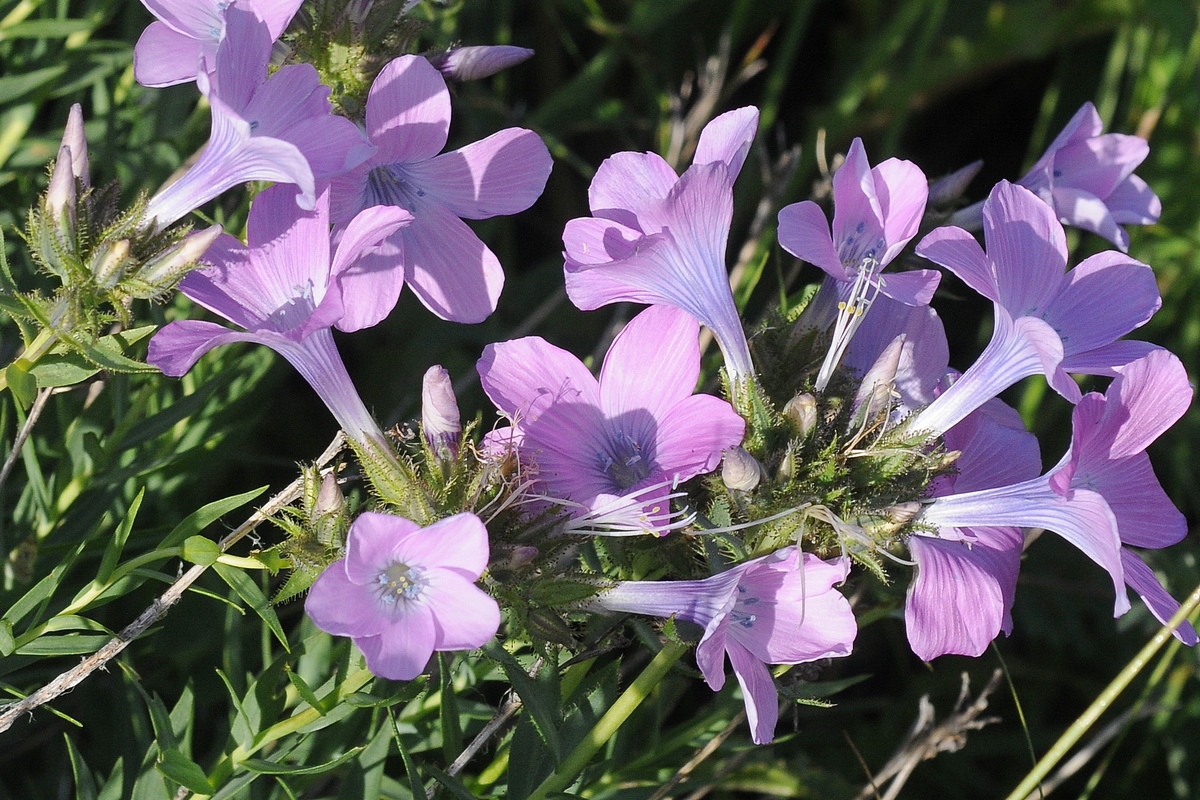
46 29
12 87
112 553
7 643
85 786
108 352
452 783
43 589
201 550
410 768
22 384
66 645
305 690
248 590
540 697
200 519
264 767
452 735
181 769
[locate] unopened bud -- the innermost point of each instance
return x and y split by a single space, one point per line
949 188
73 138
482 61
740 471
801 411
439 412
60 195
109 262
329 498
875 392
904 513
165 269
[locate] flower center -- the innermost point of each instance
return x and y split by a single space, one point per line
296 310
391 185
401 583
624 461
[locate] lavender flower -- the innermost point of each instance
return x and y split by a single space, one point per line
876 212
270 129
403 592
440 421
188 32
778 609
621 444
1046 321
1087 177
1103 493
408 119
285 291
659 238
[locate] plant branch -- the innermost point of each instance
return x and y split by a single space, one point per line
159 608
35 411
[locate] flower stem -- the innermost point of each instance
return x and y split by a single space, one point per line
612 720
1101 704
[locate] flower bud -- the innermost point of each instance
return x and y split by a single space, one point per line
163 270
801 411
949 188
472 63
874 393
329 497
740 471
439 413
73 138
109 262
60 195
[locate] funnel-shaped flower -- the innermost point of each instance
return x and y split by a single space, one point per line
634 433
1047 321
287 293
778 609
404 592
452 272
263 129
1103 493
1087 177
187 32
659 238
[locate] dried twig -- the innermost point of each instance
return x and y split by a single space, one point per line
699 756
925 740
159 608
35 411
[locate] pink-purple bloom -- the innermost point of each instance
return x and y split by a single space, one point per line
616 447
404 592
875 214
451 271
781 608
268 129
1048 320
284 289
1103 494
962 592
659 238
1087 177
186 33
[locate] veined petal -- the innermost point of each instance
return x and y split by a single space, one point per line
502 174
857 214
1102 299
694 433
458 544
661 341
804 232
166 57
401 651
1146 517
1154 392
1026 244
1097 164
408 111
180 344
522 376
368 268
596 241
962 593
959 252
727 139
1141 579
1108 360
277 14
1134 202
200 19
1084 210
343 608
451 271
758 693
241 58
923 359
625 182
466 617
902 190
913 288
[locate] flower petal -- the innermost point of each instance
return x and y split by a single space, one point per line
241 59
368 266
523 376
451 271
959 252
1141 579
1027 244
694 433
371 545
1104 298
1084 210
402 650
180 344
913 288
758 693
902 190
625 182
464 615
857 214
342 608
1154 393
165 57
727 139
1134 202
458 544
804 232
502 174
408 111
662 341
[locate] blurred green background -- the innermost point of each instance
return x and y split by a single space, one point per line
939 82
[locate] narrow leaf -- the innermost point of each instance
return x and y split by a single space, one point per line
542 701
264 767
112 553
248 590
85 786
181 769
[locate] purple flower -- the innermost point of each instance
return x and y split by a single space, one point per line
480 61
1047 321
1103 493
876 212
286 292
187 32
962 592
777 609
659 238
440 421
270 129
1087 178
618 445
403 592
408 119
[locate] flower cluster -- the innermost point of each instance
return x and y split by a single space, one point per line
844 437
